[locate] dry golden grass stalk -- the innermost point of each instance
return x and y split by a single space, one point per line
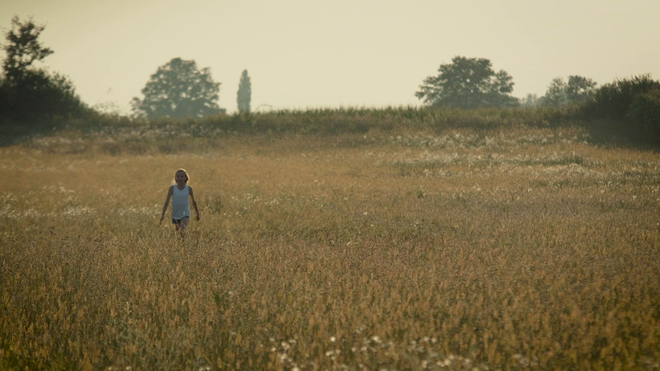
528 249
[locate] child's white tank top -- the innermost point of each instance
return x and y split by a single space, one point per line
180 202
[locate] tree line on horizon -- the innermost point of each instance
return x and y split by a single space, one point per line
179 89
470 83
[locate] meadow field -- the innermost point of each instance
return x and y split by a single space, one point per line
529 248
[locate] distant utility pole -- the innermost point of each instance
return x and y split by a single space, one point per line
244 93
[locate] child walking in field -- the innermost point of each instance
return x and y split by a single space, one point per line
181 194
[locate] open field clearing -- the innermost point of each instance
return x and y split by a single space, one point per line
466 250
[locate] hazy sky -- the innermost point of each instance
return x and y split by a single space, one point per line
322 53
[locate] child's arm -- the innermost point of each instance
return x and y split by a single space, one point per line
194 203
167 202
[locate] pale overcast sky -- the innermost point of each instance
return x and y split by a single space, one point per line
321 53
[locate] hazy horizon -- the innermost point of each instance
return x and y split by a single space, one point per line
341 53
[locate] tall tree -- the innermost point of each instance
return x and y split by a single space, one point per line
556 93
27 91
468 83
530 101
23 48
576 90
244 94
580 88
179 89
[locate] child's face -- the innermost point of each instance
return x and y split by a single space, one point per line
180 177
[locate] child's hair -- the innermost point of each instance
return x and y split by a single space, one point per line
185 172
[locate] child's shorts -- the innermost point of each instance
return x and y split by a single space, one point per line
178 221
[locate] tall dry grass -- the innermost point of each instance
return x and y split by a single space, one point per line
452 250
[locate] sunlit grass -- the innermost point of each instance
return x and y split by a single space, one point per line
458 249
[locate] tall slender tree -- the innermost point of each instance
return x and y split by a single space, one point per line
244 93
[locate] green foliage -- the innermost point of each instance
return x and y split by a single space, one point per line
23 48
530 101
644 114
556 94
628 107
177 90
577 90
386 120
40 94
392 121
244 94
613 100
28 94
468 83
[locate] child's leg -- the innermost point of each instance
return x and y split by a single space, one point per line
181 227
177 226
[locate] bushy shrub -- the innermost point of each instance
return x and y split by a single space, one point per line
38 94
644 114
626 108
613 100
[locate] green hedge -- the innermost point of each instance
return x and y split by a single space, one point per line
627 107
614 100
644 116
